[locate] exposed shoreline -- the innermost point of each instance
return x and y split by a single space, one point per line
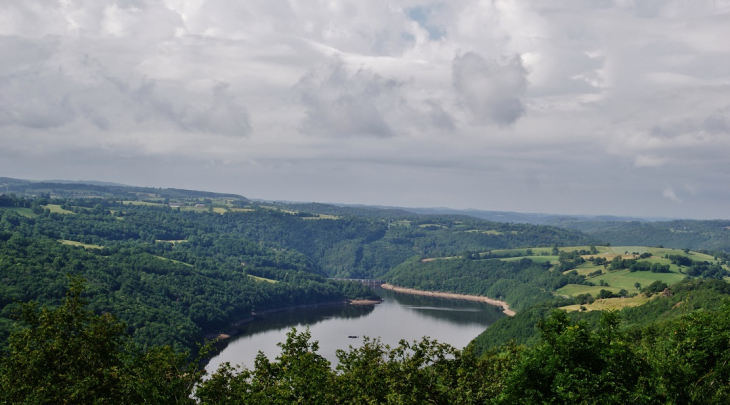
491 301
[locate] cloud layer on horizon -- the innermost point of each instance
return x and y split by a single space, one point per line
540 106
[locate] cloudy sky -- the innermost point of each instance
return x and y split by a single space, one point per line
556 106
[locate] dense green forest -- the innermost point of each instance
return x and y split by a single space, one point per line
520 283
369 248
172 274
71 355
680 234
687 296
165 292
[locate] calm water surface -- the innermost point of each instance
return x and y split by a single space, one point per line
399 316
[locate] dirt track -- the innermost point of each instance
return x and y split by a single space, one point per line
490 301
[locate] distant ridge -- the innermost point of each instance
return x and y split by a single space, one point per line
90 182
87 188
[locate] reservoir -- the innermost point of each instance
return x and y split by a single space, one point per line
399 316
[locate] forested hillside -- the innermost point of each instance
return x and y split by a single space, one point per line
520 283
172 273
168 277
685 297
693 234
73 355
357 247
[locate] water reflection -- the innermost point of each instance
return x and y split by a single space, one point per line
461 312
400 316
302 317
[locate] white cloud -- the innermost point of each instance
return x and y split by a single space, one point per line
491 90
649 161
342 104
618 88
669 193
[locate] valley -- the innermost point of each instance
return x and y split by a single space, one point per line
174 266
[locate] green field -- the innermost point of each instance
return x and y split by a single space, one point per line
611 304
143 203
241 209
268 280
84 245
536 259
188 208
54 208
622 279
174 261
543 250
269 207
322 216
173 241
26 212
587 268
488 232
660 252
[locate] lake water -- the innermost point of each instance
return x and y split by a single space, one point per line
399 316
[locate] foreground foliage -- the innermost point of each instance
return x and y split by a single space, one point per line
684 364
71 355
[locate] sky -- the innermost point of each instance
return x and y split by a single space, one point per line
617 107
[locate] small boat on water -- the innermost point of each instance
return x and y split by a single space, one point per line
352 337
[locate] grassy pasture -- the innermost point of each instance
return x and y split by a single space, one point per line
610 304
487 232
536 259
536 251
84 245
586 268
268 280
26 212
142 203
188 208
322 216
660 252
55 208
622 279
172 260
219 210
241 209
430 259
523 252
269 207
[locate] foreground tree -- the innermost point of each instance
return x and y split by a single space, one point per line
71 355
692 358
299 375
574 365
